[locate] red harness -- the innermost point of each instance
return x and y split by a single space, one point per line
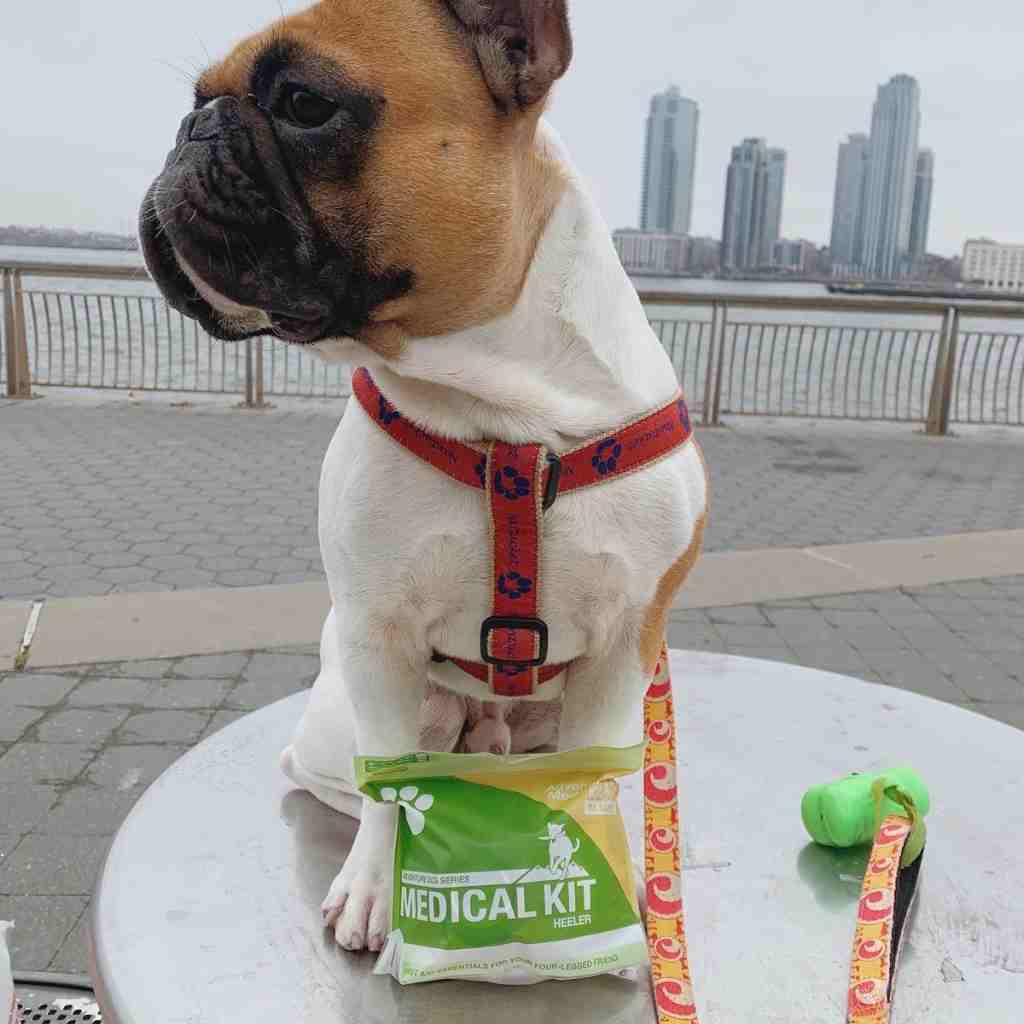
520 483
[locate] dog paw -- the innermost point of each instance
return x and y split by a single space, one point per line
358 905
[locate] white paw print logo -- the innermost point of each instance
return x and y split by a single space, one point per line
412 803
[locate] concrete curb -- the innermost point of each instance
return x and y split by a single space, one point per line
130 627
777 574
13 620
125 627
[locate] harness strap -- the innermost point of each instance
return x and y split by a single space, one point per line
514 641
520 482
480 671
636 445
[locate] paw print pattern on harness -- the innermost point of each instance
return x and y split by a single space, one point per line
510 485
514 586
388 413
607 458
412 803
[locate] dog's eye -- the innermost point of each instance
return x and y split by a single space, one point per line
307 109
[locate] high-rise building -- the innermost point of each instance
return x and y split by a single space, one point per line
775 187
744 197
922 210
754 188
889 192
883 196
847 238
670 162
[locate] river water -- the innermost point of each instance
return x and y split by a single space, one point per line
121 334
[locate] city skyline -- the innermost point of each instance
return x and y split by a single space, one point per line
882 200
797 89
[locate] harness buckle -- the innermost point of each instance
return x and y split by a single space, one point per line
538 626
554 479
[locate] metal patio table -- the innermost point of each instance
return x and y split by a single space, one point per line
207 911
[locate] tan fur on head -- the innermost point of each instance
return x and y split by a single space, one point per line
454 186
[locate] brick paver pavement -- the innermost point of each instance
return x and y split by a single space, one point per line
104 495
79 746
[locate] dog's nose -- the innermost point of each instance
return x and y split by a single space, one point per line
205 123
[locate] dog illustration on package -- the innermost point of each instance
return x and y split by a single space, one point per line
560 850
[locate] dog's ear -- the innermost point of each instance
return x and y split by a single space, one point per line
523 46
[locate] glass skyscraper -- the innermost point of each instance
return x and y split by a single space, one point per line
847 239
883 195
754 188
889 193
670 161
921 215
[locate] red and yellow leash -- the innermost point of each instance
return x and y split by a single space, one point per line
879 917
663 857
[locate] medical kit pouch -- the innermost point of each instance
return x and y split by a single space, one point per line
511 870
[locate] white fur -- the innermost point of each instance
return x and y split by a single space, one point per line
407 550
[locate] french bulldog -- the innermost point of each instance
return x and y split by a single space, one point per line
375 181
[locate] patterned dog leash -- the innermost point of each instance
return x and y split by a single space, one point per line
882 911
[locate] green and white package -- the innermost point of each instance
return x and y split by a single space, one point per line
511 870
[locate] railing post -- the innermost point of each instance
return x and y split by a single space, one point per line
254 374
942 379
8 334
716 415
709 376
260 403
248 374
949 377
19 378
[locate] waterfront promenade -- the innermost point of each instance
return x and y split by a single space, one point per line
117 514
106 494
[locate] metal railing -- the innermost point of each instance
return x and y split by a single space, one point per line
819 356
850 366
138 342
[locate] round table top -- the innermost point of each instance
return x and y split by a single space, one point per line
208 907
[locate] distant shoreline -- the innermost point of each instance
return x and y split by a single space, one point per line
925 291
44 239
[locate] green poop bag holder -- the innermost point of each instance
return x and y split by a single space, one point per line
888 811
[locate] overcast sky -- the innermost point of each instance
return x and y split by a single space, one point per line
93 91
